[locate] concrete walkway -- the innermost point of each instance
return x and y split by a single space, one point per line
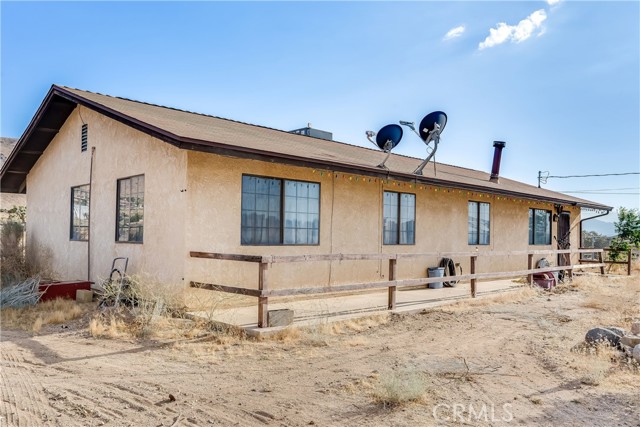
308 312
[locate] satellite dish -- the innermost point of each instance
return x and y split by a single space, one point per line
428 123
429 132
387 139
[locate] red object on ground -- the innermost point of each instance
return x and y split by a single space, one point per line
53 290
544 280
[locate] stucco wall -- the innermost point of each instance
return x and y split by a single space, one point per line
193 203
350 222
120 152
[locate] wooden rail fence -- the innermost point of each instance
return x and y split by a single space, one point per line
628 262
263 293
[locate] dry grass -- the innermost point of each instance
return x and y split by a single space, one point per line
616 301
33 318
108 326
397 388
519 295
593 363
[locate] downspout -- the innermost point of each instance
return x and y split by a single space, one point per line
586 219
93 150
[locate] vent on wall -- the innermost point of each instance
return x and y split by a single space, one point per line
83 146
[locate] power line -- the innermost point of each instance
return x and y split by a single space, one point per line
543 176
597 192
600 189
588 176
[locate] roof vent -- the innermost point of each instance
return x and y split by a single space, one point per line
83 145
315 133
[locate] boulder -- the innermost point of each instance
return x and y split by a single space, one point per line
618 331
636 353
602 335
635 328
630 340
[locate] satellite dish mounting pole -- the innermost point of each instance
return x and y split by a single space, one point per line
387 148
434 136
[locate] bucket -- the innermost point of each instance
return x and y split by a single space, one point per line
435 272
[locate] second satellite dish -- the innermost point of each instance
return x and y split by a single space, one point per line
386 139
429 132
429 122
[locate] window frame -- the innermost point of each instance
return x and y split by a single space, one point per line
71 216
117 234
532 227
282 210
398 217
478 204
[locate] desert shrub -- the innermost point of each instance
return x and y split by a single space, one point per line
400 387
137 308
13 264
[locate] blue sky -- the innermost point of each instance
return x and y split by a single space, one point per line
559 82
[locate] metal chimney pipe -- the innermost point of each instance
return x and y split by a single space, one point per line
497 156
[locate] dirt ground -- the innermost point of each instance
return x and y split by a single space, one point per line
512 360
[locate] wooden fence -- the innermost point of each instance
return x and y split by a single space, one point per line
263 293
633 253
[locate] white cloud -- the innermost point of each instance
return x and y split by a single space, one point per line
454 32
552 2
514 33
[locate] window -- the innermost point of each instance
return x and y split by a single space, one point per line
84 139
399 218
539 227
277 212
130 209
80 213
479 223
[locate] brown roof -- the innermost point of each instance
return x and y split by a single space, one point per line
208 133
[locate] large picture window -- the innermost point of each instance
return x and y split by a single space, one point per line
479 224
279 212
399 218
130 210
539 227
80 213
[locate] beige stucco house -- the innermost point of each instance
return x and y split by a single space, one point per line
160 182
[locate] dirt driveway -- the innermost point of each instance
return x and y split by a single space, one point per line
508 362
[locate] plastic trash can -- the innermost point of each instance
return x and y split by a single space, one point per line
435 272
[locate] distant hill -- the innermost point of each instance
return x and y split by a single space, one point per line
600 227
8 200
6 146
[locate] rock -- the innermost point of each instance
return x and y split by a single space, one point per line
630 340
598 335
618 331
626 349
636 353
635 328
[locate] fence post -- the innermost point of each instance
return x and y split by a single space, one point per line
601 259
629 264
263 302
530 267
472 270
392 276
